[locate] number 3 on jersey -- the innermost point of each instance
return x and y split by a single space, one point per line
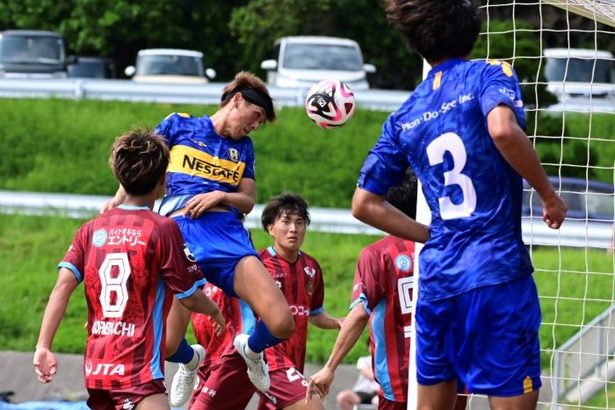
114 284
452 143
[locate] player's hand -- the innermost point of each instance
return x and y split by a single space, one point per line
319 384
219 322
110 204
199 204
340 322
45 365
554 211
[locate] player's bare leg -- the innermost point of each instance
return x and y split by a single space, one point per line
440 396
177 324
154 402
253 284
184 379
522 402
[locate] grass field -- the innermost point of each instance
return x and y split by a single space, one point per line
30 248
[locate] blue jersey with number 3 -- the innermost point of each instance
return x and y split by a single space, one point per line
473 193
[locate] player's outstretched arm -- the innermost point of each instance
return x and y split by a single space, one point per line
324 320
374 210
351 330
45 363
200 303
515 147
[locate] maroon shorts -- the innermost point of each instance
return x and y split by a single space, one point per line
288 386
226 387
384 404
121 399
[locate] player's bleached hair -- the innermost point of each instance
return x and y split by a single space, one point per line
253 90
139 158
285 203
403 196
437 29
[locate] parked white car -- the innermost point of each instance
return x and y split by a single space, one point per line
166 65
301 61
581 79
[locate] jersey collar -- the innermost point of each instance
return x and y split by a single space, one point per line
445 65
133 207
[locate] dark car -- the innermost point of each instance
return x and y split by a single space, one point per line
32 54
589 222
90 67
586 199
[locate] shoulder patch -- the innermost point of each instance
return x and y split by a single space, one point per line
180 114
506 67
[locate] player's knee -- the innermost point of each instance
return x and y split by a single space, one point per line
283 327
344 397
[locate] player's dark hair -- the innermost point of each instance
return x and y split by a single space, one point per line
252 89
436 29
403 196
285 203
139 158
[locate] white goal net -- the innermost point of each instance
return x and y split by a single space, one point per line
563 51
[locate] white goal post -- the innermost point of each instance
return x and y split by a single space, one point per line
563 52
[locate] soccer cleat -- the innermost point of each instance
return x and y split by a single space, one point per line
185 380
258 371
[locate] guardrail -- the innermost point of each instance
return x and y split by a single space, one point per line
573 233
127 90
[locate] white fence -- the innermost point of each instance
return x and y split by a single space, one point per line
127 90
573 233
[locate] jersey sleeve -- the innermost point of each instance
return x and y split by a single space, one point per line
316 305
177 267
367 288
168 127
250 170
74 260
499 85
385 164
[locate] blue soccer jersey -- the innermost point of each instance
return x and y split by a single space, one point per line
473 193
201 160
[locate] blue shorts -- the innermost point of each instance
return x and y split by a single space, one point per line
486 337
218 241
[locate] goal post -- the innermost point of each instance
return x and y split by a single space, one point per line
602 11
563 51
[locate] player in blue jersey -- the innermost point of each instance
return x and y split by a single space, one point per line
462 132
210 184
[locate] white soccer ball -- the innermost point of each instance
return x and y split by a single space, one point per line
330 103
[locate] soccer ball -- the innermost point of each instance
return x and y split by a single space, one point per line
330 103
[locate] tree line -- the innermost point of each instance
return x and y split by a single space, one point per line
237 34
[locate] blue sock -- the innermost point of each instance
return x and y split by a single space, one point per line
183 354
261 338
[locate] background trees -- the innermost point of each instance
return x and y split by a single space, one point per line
237 34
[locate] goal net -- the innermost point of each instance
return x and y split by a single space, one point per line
562 51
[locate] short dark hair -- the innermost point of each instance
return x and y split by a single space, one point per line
252 89
139 158
403 196
286 202
437 29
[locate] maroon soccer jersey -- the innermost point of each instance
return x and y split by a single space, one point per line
302 284
383 284
132 261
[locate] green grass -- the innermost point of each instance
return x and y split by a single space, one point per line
62 146
31 247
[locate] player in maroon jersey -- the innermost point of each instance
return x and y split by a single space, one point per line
300 278
132 262
382 295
